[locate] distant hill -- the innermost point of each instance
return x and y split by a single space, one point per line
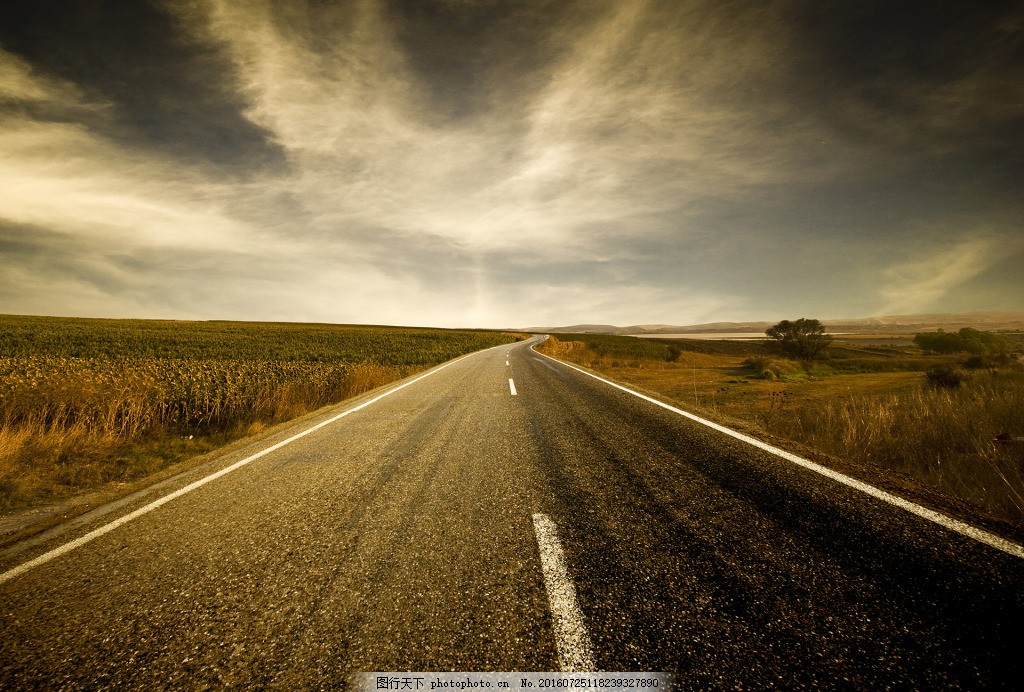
723 327
947 321
908 324
580 329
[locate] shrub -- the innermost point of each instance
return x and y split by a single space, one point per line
768 369
974 362
944 376
761 367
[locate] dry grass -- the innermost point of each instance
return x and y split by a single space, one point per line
43 463
941 435
98 422
885 415
81 424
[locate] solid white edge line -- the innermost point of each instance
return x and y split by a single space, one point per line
571 639
512 386
107 528
943 520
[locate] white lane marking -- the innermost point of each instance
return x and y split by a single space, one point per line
943 520
506 362
107 528
512 386
574 651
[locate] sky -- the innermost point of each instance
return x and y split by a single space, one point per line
510 163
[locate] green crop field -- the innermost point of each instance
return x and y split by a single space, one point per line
85 402
102 338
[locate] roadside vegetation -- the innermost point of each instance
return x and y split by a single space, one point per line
930 416
87 402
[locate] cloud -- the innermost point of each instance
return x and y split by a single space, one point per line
161 90
911 80
621 128
56 175
19 84
921 283
59 175
491 164
549 305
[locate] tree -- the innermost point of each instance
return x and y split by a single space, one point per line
939 342
967 340
802 339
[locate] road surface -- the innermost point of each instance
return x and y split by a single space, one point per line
508 513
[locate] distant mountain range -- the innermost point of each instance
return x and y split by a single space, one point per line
908 324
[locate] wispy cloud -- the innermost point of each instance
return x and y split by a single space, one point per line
920 282
19 84
622 128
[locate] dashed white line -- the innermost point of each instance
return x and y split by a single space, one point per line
943 520
575 653
512 386
107 528
506 362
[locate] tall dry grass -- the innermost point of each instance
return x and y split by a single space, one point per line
943 436
73 423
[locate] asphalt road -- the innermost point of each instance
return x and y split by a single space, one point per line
405 536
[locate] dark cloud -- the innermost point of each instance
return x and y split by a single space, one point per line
469 54
858 42
923 77
166 91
